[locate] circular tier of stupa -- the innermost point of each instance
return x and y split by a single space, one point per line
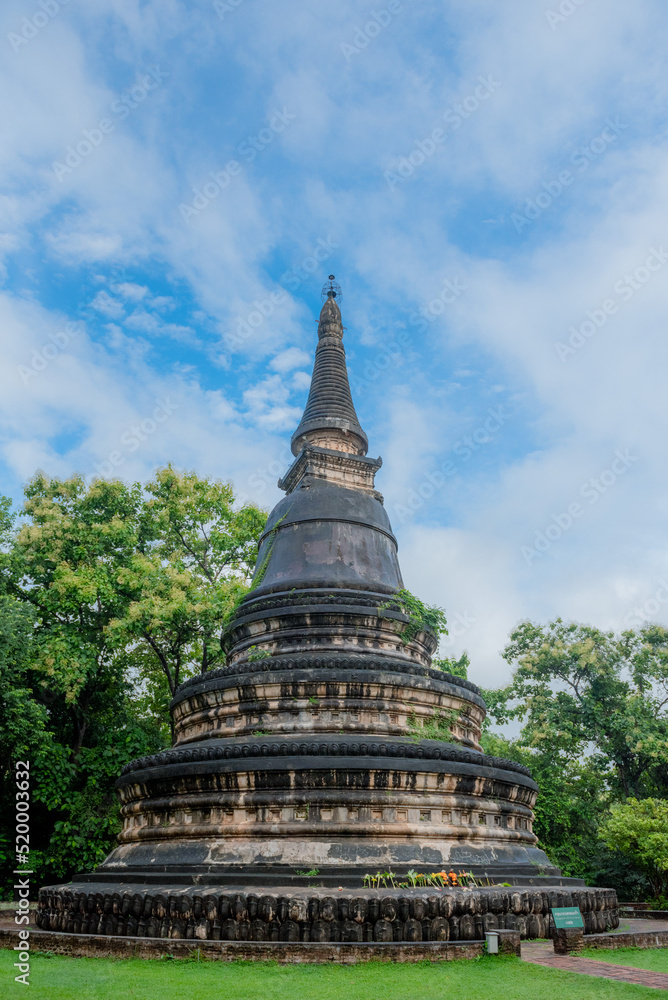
299 765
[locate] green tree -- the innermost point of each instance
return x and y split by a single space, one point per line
421 616
63 563
109 595
74 816
573 801
640 830
579 690
458 668
22 720
594 730
195 562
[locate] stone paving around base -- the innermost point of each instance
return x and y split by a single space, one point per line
642 924
542 953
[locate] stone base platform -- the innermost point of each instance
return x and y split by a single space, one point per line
283 952
318 915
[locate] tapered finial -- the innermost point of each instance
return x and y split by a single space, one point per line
329 419
330 290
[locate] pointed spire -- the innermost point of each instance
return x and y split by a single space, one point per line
330 420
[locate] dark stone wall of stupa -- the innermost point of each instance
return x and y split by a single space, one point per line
318 915
343 801
310 759
367 696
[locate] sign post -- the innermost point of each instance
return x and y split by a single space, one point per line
567 916
569 929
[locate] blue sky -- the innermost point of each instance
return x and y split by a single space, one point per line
488 183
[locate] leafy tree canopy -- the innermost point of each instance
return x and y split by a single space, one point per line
640 829
594 731
196 563
458 668
578 689
110 595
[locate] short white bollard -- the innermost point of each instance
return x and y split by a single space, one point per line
492 939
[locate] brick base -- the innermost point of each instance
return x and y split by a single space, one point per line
567 940
284 952
628 939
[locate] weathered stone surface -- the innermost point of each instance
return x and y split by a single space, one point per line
297 768
379 915
567 939
233 951
509 942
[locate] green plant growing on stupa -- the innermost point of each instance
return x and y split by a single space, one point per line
421 617
438 727
458 668
258 654
260 570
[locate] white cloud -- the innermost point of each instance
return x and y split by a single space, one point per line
292 357
267 405
147 322
84 408
108 306
300 382
163 302
77 247
131 291
118 214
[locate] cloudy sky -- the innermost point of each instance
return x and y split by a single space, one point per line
489 184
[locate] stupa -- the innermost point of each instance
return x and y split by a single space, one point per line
298 769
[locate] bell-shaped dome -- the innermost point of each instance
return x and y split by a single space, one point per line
324 535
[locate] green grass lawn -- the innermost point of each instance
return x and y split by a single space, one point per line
654 959
507 978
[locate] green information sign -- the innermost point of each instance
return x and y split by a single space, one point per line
567 916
